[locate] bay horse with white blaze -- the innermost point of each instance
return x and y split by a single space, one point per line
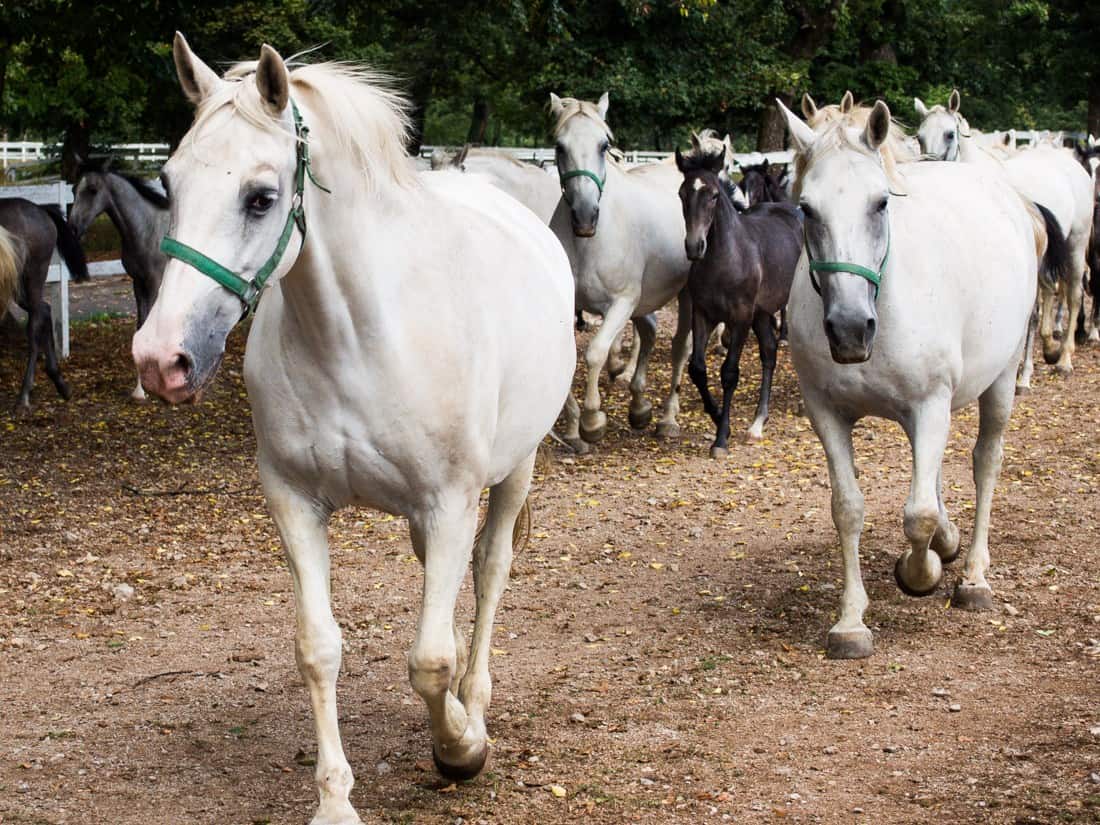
353 400
742 267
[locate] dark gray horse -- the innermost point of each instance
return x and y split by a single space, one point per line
139 213
741 276
37 230
761 185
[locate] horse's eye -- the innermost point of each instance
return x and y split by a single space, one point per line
949 136
808 212
882 204
603 147
260 203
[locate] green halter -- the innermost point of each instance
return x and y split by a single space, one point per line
249 291
581 173
844 266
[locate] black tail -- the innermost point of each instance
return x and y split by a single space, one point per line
68 245
1055 265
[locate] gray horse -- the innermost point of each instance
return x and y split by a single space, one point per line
139 213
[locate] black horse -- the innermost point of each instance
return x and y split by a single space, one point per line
742 272
762 185
35 231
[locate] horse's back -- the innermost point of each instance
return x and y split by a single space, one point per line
1056 180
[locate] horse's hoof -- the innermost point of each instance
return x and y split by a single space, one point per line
918 589
783 342
64 390
856 643
1052 357
1065 370
668 429
22 409
593 425
461 773
755 435
642 416
946 545
972 597
1023 389
1094 336
578 445
719 452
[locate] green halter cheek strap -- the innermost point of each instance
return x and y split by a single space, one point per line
581 173
249 291
844 266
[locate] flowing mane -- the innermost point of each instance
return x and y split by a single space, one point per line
845 132
355 111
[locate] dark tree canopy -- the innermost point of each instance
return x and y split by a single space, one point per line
84 73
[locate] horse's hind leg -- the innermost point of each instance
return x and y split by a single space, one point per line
1027 367
443 538
784 328
34 323
994 409
667 427
572 435
492 562
849 638
641 410
918 570
53 369
302 524
763 325
1074 300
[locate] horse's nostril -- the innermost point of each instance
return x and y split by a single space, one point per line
870 327
830 329
182 363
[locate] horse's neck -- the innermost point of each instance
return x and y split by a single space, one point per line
724 228
136 219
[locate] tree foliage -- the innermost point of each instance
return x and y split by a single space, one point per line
101 72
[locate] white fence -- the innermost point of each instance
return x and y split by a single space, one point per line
18 152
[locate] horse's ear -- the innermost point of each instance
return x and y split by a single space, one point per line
460 157
802 136
556 106
273 80
878 126
809 108
196 78
716 163
603 104
922 110
696 144
847 103
679 160
954 102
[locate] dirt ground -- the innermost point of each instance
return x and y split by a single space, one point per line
658 657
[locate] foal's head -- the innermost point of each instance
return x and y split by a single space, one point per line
941 128
844 191
581 141
700 192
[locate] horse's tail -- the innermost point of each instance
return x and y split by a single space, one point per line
68 245
11 264
1056 263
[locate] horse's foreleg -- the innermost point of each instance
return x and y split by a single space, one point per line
945 541
668 427
918 570
784 328
641 410
593 424
763 324
1027 367
849 638
701 329
443 538
731 376
302 524
141 301
994 409
492 563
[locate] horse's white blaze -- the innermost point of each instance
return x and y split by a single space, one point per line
633 265
354 401
951 312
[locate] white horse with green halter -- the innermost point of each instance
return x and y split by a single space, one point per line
353 400
954 248
624 234
1047 176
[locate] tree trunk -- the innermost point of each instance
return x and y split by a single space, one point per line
772 133
1094 104
78 142
479 122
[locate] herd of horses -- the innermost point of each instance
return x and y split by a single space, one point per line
912 274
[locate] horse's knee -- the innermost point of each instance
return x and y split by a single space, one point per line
430 671
921 520
318 652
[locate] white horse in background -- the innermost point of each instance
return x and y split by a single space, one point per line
954 249
353 400
535 188
624 234
1044 175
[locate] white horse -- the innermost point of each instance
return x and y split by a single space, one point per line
624 234
535 188
1044 175
353 399
956 257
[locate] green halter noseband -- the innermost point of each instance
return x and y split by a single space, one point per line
249 291
581 173
844 266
